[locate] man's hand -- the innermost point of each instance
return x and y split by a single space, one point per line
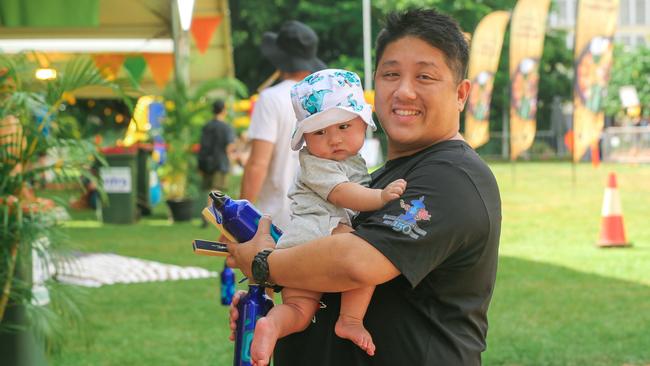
224 239
393 190
241 255
234 313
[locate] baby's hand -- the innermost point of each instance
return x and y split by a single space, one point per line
393 190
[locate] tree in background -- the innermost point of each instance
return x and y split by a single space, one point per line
337 23
631 67
339 27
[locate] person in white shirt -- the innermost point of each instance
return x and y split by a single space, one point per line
272 165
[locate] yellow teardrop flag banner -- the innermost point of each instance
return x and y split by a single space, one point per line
483 62
593 60
526 44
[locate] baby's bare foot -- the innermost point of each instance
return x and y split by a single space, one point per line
263 342
352 328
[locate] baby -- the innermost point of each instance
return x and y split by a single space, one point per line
332 184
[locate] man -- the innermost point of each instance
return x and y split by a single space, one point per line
216 147
432 254
271 167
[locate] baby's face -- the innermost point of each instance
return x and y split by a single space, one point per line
337 142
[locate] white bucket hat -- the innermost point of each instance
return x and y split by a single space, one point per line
325 98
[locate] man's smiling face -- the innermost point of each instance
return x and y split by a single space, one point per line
418 99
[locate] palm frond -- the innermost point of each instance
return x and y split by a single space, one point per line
76 74
230 85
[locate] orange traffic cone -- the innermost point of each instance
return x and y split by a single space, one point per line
612 232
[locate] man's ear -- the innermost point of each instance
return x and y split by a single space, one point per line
462 93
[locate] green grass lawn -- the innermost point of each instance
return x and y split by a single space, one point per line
559 300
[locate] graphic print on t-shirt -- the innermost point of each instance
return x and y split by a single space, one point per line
406 223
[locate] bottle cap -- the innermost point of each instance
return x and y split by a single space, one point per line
218 198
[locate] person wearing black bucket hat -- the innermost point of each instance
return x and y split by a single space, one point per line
271 168
293 48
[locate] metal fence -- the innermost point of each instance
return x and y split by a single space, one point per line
547 145
618 145
626 144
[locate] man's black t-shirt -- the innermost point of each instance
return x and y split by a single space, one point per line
443 236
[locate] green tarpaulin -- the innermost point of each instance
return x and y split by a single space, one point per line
49 13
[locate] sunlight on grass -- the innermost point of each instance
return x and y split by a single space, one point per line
153 222
96 224
81 224
546 218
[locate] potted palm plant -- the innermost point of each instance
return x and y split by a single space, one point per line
186 113
29 109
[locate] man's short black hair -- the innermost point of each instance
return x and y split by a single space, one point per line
439 30
218 106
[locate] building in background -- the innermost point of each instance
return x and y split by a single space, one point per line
633 28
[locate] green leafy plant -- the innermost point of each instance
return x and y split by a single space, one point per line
187 111
631 68
29 224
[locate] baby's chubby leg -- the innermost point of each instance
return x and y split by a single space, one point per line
293 315
354 304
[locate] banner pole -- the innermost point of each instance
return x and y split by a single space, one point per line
507 149
573 110
505 125
367 52
513 162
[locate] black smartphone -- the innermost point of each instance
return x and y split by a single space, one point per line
207 247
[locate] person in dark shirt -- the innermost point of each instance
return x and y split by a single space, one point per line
216 146
433 253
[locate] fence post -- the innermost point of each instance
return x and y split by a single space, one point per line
505 126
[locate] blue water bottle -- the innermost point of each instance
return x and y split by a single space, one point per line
227 284
238 217
252 306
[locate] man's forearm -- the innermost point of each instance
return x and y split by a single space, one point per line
331 264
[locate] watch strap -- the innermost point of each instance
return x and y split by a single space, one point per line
263 256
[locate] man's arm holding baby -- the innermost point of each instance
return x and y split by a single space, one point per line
356 197
333 263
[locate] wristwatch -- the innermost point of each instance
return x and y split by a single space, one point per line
260 269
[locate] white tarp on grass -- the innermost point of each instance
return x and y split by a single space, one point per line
98 269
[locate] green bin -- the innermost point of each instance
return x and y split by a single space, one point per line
143 201
120 180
